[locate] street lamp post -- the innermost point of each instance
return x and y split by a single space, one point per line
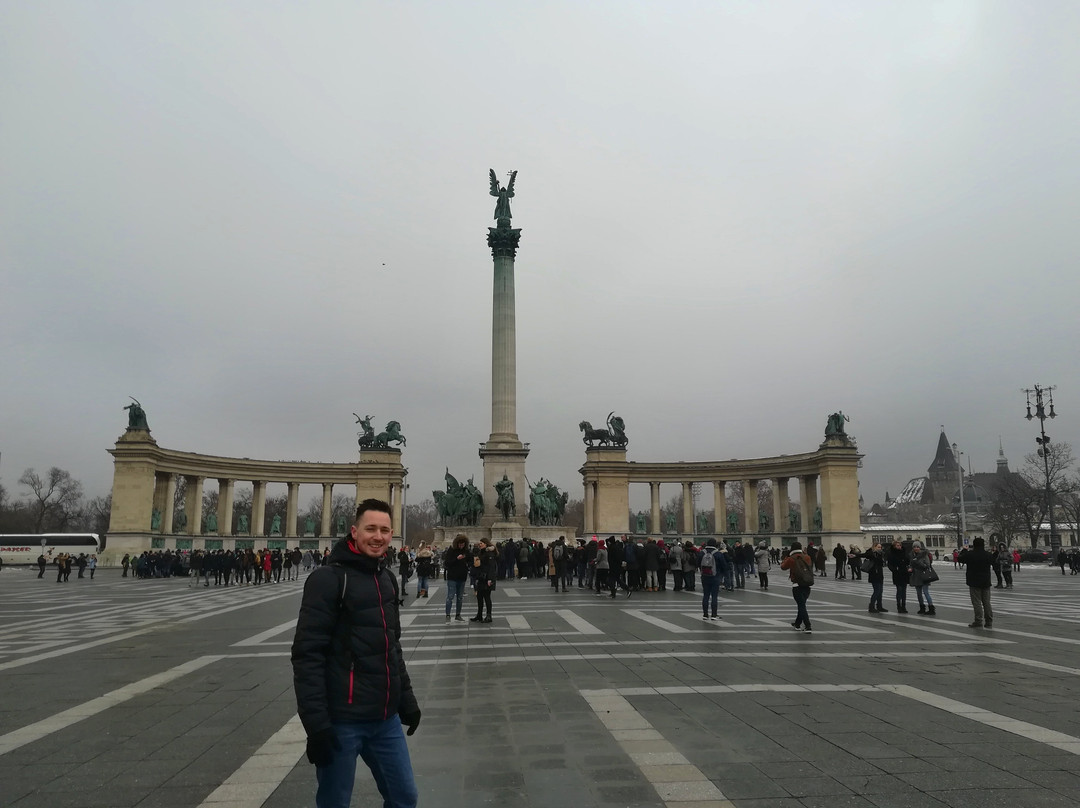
963 511
1044 408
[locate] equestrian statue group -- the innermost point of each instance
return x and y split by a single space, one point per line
369 440
614 435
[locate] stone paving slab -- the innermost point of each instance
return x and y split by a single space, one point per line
510 715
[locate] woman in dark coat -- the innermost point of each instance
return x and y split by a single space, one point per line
876 574
898 561
485 569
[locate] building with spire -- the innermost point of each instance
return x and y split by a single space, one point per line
936 494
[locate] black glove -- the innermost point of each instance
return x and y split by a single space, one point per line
411 720
322 746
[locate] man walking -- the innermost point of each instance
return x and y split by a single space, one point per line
801 572
977 576
352 690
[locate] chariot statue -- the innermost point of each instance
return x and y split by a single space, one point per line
391 435
614 435
365 439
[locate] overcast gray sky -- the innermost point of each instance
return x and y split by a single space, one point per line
736 218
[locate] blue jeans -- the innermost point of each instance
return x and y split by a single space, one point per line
421 584
923 593
801 594
878 586
382 746
710 587
454 589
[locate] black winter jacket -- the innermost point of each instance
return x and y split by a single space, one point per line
346 655
978 563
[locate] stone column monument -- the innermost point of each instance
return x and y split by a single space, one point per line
504 453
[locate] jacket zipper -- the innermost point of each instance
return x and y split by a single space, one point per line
352 666
386 646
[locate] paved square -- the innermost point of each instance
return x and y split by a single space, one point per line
118 692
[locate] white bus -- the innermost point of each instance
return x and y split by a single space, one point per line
24 548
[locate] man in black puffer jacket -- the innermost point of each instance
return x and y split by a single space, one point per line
352 690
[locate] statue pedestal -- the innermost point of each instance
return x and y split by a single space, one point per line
501 531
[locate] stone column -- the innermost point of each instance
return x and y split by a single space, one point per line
290 510
167 510
225 507
327 499
504 454
654 503
688 509
750 505
503 243
807 501
840 499
720 506
258 508
396 490
193 505
780 505
590 500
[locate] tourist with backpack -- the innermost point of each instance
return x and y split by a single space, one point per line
353 691
712 564
800 569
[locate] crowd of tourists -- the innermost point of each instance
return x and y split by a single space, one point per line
65 561
623 565
248 567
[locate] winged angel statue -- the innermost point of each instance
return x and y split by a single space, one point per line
502 207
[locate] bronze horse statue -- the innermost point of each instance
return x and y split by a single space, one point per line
591 434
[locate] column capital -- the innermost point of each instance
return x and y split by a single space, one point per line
503 241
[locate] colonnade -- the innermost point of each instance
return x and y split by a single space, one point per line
165 495
781 506
834 510
145 479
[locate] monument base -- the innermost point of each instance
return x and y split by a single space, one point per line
501 531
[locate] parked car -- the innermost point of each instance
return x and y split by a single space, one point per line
1038 555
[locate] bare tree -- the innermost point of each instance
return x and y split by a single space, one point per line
1014 510
1058 460
420 522
98 512
342 506
241 507
276 506
55 501
574 515
312 512
210 501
